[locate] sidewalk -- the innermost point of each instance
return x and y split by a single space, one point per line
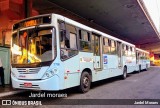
8 90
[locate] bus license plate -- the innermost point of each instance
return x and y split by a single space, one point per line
27 84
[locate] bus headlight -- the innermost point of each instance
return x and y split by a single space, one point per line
50 73
54 71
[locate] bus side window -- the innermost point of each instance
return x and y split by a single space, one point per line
148 56
140 55
125 50
85 41
129 51
113 47
68 41
133 51
106 47
145 56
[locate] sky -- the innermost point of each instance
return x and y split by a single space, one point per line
153 7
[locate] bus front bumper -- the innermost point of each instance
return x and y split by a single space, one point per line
49 84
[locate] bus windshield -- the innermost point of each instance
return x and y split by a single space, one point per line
32 46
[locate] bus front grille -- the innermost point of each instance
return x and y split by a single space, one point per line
28 70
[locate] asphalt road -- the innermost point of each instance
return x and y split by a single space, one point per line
144 85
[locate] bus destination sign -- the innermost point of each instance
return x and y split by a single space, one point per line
32 22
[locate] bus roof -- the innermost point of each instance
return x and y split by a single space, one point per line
142 50
72 22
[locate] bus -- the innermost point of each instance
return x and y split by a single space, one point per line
143 59
51 52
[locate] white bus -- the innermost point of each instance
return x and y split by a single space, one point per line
52 52
142 58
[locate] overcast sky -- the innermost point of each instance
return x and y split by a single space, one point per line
153 7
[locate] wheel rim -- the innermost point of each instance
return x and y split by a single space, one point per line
86 82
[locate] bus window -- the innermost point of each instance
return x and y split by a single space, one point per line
125 50
73 43
144 55
84 38
140 55
68 41
97 46
129 51
106 47
126 47
133 52
147 56
133 49
113 47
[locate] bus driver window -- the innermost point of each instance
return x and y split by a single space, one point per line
68 40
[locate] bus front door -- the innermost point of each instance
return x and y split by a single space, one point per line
97 51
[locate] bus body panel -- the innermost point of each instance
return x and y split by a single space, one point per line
86 61
72 72
112 61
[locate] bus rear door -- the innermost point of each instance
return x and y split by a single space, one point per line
97 51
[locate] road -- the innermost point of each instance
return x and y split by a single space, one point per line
144 85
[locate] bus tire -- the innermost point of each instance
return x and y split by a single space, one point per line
146 67
124 76
85 82
139 69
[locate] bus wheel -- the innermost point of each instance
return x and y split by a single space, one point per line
146 67
85 82
139 69
124 73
